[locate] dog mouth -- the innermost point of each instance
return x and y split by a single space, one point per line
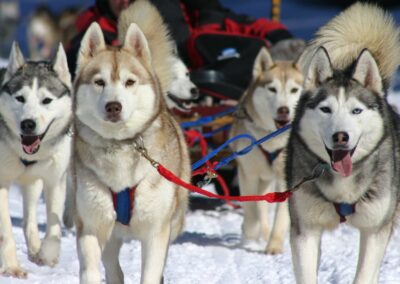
31 143
341 160
281 123
183 104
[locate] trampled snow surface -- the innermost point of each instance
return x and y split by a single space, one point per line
209 251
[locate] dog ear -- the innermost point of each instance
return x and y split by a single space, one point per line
60 65
15 61
262 63
92 43
366 72
319 70
136 43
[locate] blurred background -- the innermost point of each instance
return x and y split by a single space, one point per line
302 17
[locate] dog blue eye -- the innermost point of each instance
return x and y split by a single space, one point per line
356 111
46 101
21 99
272 89
325 109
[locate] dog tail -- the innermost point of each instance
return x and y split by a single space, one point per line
361 26
149 20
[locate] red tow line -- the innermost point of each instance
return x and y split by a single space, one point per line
271 197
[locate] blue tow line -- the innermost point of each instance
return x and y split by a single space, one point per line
207 119
253 142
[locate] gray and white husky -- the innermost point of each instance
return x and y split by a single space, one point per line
344 124
36 114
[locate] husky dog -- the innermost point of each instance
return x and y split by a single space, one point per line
36 115
343 123
119 104
182 92
268 104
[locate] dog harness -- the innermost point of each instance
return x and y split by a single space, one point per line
27 163
270 156
344 209
123 204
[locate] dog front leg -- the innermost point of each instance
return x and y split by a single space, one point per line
305 244
110 257
8 252
55 197
281 226
154 254
31 194
372 249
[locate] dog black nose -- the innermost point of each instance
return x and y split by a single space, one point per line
195 93
113 108
340 138
283 110
28 126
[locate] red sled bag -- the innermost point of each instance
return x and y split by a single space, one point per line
221 53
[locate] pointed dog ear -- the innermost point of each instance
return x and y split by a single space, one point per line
60 65
92 43
16 61
136 43
319 70
366 72
262 63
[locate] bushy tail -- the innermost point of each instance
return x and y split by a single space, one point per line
149 20
358 27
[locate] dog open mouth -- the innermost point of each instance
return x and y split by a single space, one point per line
281 123
31 143
184 104
341 160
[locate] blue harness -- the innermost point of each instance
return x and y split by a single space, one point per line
270 156
27 163
123 204
344 210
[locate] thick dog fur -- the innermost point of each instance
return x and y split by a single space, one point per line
344 121
36 115
106 159
268 104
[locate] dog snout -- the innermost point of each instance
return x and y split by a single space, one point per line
283 113
113 111
340 138
28 126
195 93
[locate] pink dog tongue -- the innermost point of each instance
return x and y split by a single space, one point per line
341 162
31 149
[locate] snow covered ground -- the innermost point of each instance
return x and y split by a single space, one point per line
209 252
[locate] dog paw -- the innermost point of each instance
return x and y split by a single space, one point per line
274 248
48 254
16 272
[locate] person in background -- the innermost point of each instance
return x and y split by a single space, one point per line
183 17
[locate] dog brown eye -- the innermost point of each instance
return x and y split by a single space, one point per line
46 101
294 90
21 99
129 83
100 82
325 109
272 89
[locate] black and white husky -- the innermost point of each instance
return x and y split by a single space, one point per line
36 114
344 124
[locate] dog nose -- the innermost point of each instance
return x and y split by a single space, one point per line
283 110
28 126
340 138
113 108
195 93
